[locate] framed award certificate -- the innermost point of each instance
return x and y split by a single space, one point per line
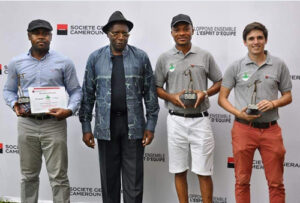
44 98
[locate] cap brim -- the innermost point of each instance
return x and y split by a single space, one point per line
41 27
178 21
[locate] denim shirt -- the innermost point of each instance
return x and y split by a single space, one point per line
139 82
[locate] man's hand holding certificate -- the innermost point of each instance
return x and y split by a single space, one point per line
60 113
42 99
50 100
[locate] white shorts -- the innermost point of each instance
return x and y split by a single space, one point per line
192 135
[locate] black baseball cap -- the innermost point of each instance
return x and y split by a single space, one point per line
181 18
35 24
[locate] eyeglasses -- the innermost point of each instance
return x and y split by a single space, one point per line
118 34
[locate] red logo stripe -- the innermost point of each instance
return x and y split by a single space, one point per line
62 26
230 160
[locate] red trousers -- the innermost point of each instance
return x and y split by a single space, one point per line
245 140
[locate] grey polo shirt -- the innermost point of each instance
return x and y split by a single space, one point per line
273 74
170 69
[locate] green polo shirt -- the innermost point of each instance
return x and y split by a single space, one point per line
170 69
273 75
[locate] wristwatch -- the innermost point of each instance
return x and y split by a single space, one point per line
205 92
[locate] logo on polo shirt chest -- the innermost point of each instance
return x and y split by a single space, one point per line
171 68
245 76
270 77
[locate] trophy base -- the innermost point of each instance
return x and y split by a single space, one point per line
252 109
23 100
189 99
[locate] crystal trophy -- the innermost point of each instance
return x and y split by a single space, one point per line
189 98
21 98
252 108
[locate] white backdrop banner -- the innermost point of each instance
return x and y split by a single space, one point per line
218 29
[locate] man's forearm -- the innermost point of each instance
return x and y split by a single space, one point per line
214 89
224 102
161 93
75 99
284 100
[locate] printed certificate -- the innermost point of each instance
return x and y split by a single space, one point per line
44 98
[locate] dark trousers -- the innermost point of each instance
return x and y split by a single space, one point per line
121 157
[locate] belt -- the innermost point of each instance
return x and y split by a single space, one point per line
193 115
255 124
118 113
41 117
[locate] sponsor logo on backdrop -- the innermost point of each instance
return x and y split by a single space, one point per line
295 77
86 191
3 69
258 164
220 31
9 148
62 29
154 157
220 118
230 162
198 198
291 165
65 29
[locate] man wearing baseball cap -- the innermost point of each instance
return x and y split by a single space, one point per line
43 134
185 70
119 78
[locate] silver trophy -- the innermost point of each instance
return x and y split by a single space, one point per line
189 98
21 98
252 108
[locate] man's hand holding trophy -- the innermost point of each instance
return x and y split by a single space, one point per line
22 106
191 97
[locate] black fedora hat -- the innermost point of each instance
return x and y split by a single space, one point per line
117 16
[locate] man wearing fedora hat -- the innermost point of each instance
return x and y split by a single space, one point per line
42 134
118 78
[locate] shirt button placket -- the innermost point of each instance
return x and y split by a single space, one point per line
39 72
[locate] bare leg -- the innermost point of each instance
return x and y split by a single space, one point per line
181 187
206 188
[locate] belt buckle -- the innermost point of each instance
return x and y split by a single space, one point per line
171 112
41 117
254 125
261 125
